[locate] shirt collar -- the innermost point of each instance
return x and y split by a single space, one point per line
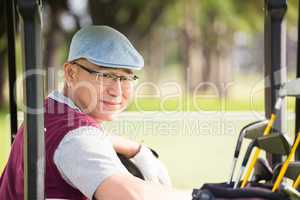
58 96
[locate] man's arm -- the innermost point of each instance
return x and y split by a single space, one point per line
85 158
87 161
126 147
152 169
128 187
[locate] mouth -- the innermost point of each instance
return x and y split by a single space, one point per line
111 102
111 106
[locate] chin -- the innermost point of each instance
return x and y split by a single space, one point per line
105 117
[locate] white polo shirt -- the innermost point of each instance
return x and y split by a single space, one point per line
98 160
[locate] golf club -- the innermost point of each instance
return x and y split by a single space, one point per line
286 164
252 129
275 143
244 162
257 152
292 171
257 130
262 171
286 91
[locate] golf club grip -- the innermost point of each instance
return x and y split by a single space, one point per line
237 149
239 142
248 153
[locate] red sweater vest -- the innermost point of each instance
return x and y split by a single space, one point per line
59 120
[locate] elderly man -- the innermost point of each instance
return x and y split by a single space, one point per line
81 160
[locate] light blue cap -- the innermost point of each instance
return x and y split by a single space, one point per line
105 46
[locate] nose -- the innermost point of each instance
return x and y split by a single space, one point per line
115 89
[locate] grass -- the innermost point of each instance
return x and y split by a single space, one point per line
193 149
244 93
200 104
4 139
197 147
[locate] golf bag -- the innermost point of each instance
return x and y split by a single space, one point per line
221 191
224 191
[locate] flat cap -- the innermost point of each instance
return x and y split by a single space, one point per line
105 46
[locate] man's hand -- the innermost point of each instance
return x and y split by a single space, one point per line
152 168
124 146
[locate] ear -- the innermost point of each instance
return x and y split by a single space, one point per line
70 73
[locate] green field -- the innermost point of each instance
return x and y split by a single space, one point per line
4 139
197 147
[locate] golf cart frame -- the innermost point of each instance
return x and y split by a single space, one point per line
34 144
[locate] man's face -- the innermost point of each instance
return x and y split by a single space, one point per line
100 95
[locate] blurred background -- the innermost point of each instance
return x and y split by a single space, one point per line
203 77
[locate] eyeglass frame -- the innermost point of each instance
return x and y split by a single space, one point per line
106 75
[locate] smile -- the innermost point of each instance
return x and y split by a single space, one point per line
111 103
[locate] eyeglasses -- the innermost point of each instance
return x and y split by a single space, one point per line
109 78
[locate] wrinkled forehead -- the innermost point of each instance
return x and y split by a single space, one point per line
102 68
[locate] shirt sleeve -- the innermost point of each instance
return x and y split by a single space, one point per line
85 158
